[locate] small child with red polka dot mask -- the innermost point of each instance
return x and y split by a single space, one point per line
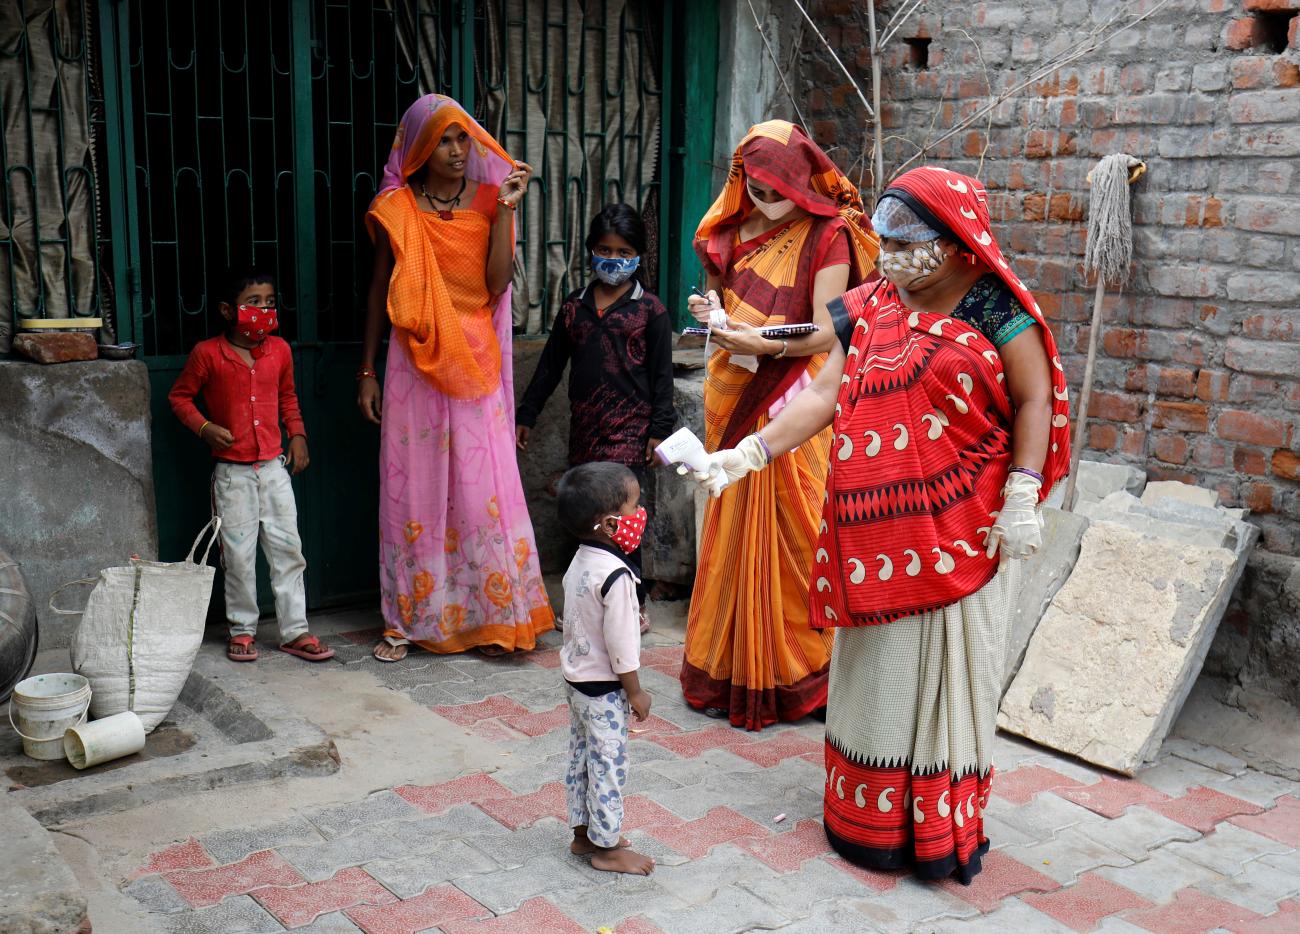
599 503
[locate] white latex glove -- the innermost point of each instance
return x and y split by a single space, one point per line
1018 530
726 467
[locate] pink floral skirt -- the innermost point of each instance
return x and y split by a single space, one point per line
457 558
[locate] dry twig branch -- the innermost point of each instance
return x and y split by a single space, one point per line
1096 38
898 21
862 97
780 72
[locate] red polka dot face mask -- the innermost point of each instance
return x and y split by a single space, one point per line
630 529
254 324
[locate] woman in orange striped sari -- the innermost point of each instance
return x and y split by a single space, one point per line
785 236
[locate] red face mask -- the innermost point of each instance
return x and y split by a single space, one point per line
254 324
630 529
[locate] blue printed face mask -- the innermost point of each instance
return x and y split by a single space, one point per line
614 270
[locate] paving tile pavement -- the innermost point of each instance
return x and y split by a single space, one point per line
1197 842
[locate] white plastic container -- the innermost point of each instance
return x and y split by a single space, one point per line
103 740
43 708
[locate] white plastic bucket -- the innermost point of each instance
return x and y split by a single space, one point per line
102 740
43 708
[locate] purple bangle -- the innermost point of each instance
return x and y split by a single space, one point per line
1027 472
766 450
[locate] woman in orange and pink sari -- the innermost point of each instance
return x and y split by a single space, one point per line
458 561
785 236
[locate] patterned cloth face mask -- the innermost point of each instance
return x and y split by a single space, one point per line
614 270
907 268
254 324
630 529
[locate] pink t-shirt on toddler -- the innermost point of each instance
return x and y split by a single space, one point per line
602 617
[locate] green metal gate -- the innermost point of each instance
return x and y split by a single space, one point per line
255 131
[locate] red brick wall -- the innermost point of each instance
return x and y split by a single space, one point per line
1198 376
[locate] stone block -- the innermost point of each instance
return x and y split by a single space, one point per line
78 475
1160 522
38 892
57 347
1041 577
1098 479
1116 654
1157 490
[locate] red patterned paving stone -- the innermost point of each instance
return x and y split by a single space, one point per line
1083 905
301 905
526 810
645 729
187 855
879 879
1111 797
637 926
473 789
203 887
694 839
1191 912
535 916
641 813
786 852
785 745
1020 786
498 705
494 731
690 745
816 758
542 722
1282 823
439 907
363 636
1000 878
1204 809
544 658
1286 920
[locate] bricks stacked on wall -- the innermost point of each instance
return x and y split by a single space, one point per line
1200 357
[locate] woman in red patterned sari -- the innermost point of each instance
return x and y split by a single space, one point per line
949 409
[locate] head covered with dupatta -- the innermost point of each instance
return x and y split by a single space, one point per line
461 357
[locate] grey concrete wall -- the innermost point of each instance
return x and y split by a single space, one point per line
669 550
76 475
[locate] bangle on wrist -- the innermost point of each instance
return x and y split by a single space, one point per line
366 372
201 427
1027 472
781 353
767 451
506 204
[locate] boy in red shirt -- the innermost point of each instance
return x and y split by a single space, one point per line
245 378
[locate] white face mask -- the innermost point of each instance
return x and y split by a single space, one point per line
774 210
907 268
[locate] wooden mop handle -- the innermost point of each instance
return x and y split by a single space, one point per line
1085 393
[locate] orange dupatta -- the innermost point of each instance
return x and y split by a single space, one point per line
460 354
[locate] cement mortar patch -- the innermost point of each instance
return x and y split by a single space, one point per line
38 892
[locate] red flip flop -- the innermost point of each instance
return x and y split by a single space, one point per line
245 643
308 646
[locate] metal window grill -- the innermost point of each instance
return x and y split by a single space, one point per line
54 250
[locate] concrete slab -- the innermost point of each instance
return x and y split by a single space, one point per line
1157 490
75 442
1041 576
1098 479
237 736
1115 656
38 892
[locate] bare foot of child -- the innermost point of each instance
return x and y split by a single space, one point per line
582 845
619 859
